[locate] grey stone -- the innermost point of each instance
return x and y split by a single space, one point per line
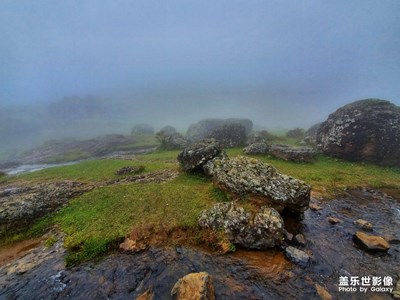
297 256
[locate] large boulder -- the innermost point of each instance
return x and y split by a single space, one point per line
254 230
365 130
168 130
195 156
224 130
251 177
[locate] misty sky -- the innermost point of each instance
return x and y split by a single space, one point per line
272 61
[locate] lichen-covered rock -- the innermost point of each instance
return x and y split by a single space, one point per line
221 129
256 148
194 286
365 130
248 176
259 230
193 157
21 205
295 154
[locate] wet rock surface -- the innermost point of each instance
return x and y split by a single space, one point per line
236 276
248 176
198 154
365 130
297 256
258 230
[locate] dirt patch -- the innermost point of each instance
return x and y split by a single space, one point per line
18 250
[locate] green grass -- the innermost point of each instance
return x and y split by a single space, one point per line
97 221
328 175
72 155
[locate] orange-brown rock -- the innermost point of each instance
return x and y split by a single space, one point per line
371 242
194 286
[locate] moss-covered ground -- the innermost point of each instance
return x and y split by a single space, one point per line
97 221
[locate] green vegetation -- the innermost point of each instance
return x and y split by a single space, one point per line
328 176
99 220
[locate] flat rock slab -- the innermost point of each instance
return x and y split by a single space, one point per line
194 286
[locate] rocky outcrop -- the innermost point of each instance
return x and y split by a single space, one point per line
297 133
194 286
256 148
254 230
248 176
295 154
230 132
365 130
371 242
20 205
198 154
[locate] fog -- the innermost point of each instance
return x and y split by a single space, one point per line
84 68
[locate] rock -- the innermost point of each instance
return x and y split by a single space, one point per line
366 130
193 157
147 295
248 176
288 235
230 132
323 293
310 136
333 220
370 242
255 230
230 135
257 138
142 129
362 224
290 153
20 205
300 239
256 148
194 286
315 207
129 170
171 141
135 245
297 256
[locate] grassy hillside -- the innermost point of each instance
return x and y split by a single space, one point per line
98 220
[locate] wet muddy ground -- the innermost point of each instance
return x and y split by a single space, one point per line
41 273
